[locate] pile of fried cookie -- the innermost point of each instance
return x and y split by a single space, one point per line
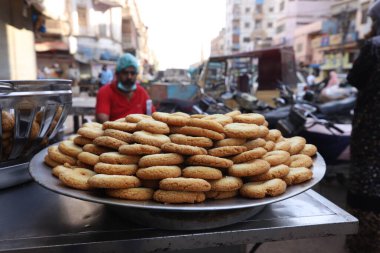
8 124
181 158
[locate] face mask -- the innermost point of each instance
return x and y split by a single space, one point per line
124 88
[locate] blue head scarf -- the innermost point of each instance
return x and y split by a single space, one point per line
125 61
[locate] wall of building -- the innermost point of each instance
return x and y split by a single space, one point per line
18 58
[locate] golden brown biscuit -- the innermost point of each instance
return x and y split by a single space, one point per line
190 140
221 195
174 129
76 178
138 194
158 172
81 140
273 135
233 113
300 160
115 169
35 130
201 132
229 142
88 158
309 150
227 151
116 158
249 118
108 142
209 161
59 157
220 118
120 135
50 162
278 171
90 132
297 143
202 172
252 168
249 155
69 148
160 159
93 125
147 138
298 175
171 119
276 157
57 170
113 181
241 130
185 184
282 145
263 131
138 149
177 197
7 121
122 126
207 124
226 184
95 149
153 126
135 118
269 145
197 116
183 149
258 190
256 143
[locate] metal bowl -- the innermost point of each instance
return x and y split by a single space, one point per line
206 215
32 113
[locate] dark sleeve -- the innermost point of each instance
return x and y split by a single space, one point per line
363 67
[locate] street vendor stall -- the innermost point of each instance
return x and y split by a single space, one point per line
47 222
173 196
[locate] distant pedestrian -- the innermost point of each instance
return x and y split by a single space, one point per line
105 76
73 74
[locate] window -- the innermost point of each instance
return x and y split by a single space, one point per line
247 10
258 24
271 9
270 25
82 17
280 29
282 6
246 39
259 8
299 47
247 24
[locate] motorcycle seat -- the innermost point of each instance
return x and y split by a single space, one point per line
337 106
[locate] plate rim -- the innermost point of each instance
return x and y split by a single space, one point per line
37 163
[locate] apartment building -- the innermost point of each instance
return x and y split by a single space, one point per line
239 25
292 14
217 44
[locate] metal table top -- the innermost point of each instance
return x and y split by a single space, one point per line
33 219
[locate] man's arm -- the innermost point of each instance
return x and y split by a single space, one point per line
101 117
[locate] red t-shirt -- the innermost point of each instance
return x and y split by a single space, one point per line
111 101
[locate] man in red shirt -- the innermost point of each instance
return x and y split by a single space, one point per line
123 95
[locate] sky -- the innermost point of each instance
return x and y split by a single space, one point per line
179 29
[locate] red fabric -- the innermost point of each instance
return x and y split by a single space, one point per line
111 101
